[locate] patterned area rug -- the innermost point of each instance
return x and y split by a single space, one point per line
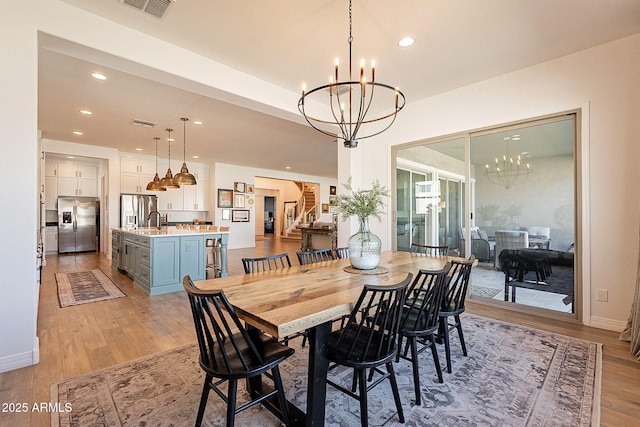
82 287
513 376
483 291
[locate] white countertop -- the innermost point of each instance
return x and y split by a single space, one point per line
171 231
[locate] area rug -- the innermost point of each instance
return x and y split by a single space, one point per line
513 376
484 291
82 287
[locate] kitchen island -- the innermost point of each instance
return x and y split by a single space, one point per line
157 260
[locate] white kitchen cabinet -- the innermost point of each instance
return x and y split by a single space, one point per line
77 180
135 174
50 193
171 200
50 169
51 240
195 196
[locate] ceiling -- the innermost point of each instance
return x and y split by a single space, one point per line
458 42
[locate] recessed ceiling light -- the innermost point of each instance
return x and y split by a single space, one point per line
288 167
70 157
77 132
197 122
86 112
406 42
99 76
170 139
138 149
196 157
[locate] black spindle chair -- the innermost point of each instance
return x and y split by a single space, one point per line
369 341
419 322
442 250
342 253
317 255
228 352
453 304
273 262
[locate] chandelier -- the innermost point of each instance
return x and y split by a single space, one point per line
350 101
508 171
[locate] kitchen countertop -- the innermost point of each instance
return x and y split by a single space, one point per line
166 231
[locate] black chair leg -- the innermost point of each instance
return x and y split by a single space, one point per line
416 372
232 394
394 389
203 400
444 326
436 359
362 379
461 335
284 409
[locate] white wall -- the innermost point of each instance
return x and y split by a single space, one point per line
604 82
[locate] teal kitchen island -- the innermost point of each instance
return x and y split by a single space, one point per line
157 260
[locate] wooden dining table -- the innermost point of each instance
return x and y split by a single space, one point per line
309 298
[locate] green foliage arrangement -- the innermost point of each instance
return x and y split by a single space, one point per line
362 203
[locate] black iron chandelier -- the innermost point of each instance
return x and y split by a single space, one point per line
350 101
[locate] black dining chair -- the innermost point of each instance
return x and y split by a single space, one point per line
453 304
228 352
442 250
342 252
419 322
317 255
273 262
370 341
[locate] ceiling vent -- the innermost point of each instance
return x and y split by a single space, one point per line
157 8
143 123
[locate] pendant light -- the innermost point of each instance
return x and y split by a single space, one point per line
155 184
184 177
167 181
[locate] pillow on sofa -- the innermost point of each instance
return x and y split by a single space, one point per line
475 234
483 235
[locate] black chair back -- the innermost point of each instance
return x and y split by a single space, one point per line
225 347
424 298
442 250
456 293
370 334
342 253
273 262
318 255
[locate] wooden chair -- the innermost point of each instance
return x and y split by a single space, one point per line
429 249
419 322
228 352
342 253
318 255
273 262
367 342
453 304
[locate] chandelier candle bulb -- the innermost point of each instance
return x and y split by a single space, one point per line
373 70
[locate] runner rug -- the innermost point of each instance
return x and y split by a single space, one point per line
513 376
82 287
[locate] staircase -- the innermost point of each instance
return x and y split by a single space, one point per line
309 196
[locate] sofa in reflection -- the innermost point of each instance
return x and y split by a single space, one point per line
481 245
509 239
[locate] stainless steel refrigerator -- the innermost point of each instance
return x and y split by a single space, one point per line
135 210
77 228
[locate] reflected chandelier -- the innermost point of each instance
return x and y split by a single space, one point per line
349 103
508 171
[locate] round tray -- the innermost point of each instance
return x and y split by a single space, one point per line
377 270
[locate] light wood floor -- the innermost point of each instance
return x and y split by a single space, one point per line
84 338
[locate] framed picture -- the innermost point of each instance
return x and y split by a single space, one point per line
333 209
249 188
333 200
332 190
240 215
238 200
225 198
239 187
226 214
325 208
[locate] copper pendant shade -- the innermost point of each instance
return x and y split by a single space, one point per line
167 181
155 184
184 177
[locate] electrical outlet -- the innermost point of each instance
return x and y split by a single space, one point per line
603 295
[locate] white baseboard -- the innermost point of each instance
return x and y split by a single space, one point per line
17 361
608 324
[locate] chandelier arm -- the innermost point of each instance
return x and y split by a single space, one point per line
340 122
316 127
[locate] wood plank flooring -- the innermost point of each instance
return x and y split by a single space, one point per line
84 338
